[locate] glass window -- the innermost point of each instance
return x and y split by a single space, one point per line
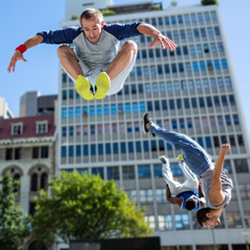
185 50
174 68
149 106
138 71
64 113
113 173
202 66
98 171
201 102
208 142
157 105
181 221
130 147
173 19
207 17
179 103
64 131
210 32
93 149
123 147
138 146
165 222
224 63
180 20
145 146
71 151
100 149
195 66
200 17
128 172
217 31
241 166
71 131
71 112
196 33
85 150
152 70
193 18
186 18
186 103
144 172
127 108
166 19
200 141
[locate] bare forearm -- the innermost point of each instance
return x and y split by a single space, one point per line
216 181
168 193
148 30
219 166
33 41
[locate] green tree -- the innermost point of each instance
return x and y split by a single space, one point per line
75 17
108 12
174 3
14 227
86 207
209 2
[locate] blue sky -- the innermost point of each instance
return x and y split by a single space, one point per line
19 20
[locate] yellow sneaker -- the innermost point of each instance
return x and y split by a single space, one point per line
83 88
180 157
102 85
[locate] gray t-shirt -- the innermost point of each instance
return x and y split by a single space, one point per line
206 180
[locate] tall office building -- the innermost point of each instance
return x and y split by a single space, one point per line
32 103
5 112
191 90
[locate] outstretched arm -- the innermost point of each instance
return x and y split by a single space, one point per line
216 195
172 200
150 30
31 42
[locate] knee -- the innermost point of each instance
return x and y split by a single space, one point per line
64 50
130 46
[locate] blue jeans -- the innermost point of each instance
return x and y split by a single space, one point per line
195 157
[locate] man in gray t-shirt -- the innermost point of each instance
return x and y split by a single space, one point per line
216 185
98 65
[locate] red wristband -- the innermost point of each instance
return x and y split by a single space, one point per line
22 48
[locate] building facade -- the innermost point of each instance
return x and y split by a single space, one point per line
191 90
32 103
27 151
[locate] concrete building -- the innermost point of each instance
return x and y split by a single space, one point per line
27 150
33 104
192 91
5 112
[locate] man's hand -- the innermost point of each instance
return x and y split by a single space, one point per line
163 41
16 57
224 149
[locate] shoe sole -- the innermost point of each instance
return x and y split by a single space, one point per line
102 85
143 127
83 88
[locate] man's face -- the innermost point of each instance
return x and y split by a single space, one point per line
92 28
212 222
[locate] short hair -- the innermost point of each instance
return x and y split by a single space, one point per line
91 13
190 204
202 215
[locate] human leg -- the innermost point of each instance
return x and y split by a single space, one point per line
191 181
194 155
122 60
69 61
174 186
75 70
111 81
